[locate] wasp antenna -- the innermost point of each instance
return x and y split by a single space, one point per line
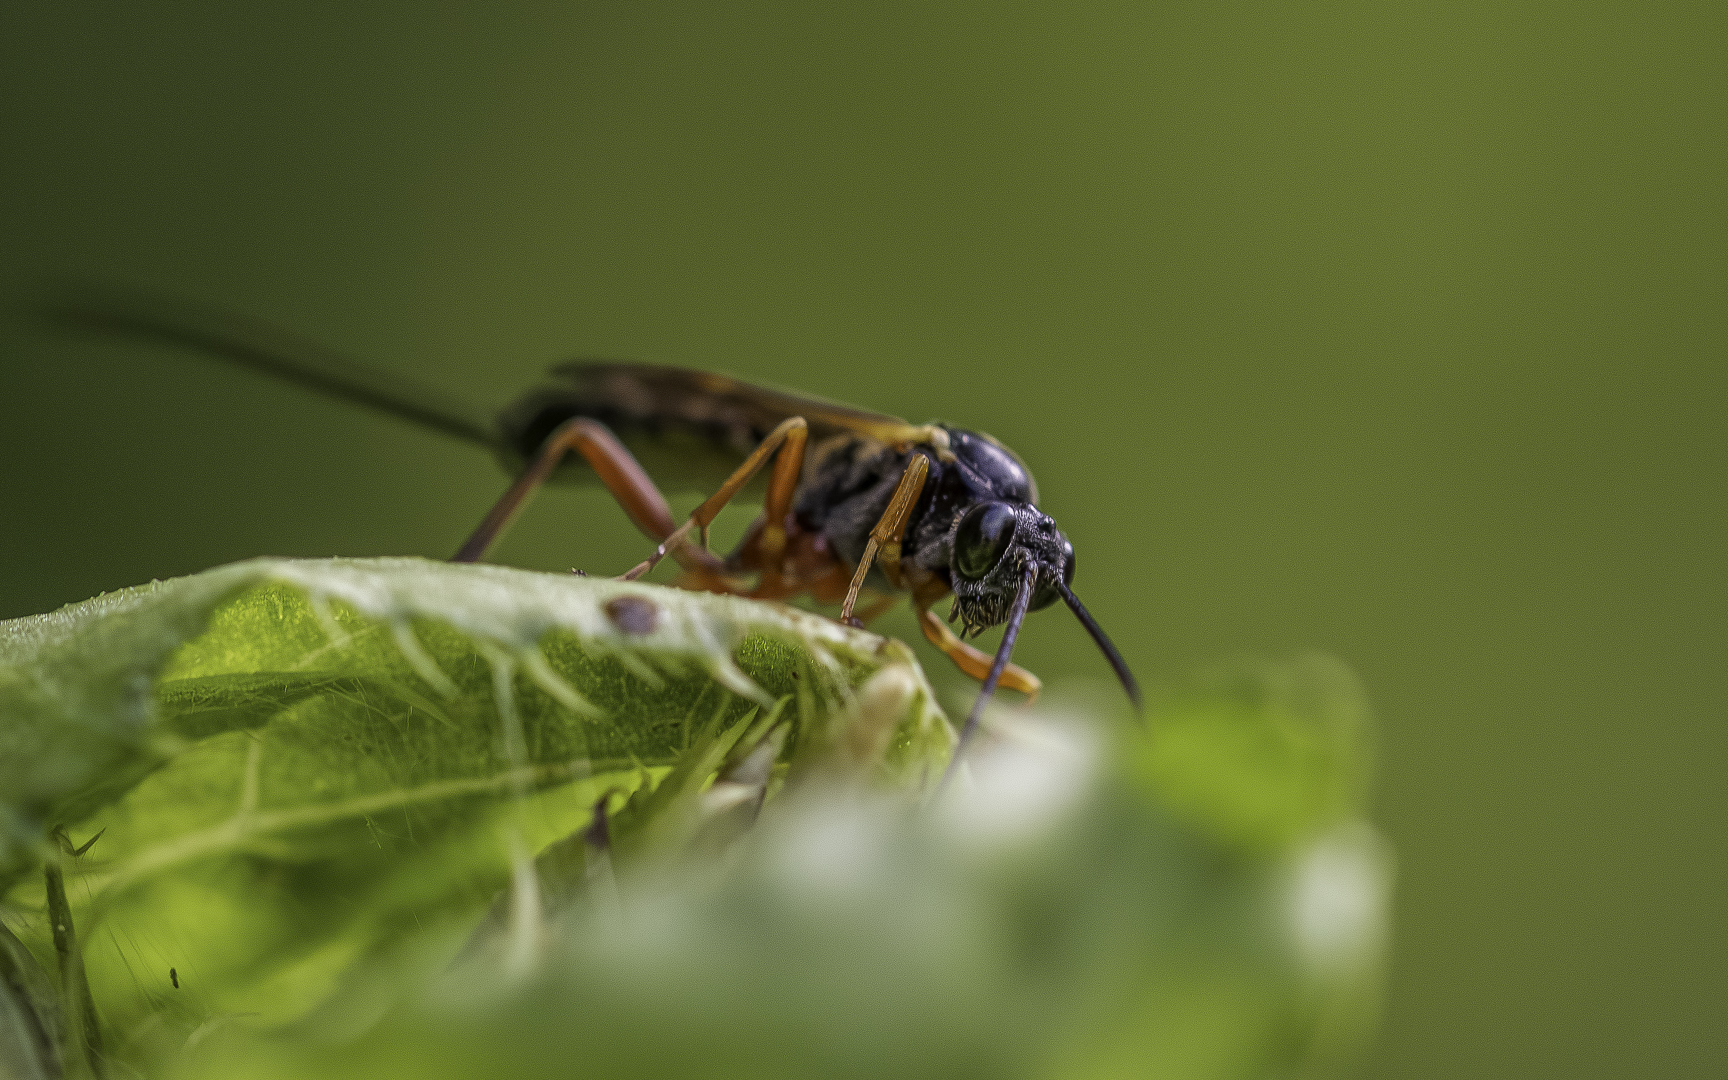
252 343
1098 635
1016 615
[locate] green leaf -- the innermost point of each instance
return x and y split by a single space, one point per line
347 828
300 764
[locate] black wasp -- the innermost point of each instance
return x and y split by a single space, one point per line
859 506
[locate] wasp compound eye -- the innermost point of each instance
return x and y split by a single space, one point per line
1047 592
982 539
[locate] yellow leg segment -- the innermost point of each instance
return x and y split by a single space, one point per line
970 660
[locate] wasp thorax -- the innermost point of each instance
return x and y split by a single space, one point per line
993 543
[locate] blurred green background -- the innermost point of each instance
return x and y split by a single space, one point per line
1395 331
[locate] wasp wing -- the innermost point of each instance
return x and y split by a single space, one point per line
688 428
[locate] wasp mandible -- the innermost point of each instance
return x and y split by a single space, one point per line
858 506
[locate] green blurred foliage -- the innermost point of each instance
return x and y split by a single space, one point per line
32 1023
1392 331
1260 756
311 838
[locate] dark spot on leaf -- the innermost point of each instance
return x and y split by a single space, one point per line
633 614
174 977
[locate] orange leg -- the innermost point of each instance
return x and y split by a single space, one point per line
970 660
885 537
788 439
782 486
615 466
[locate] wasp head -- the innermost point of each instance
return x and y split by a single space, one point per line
994 544
1006 559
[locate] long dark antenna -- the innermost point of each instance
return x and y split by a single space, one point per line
252 343
1016 615
1103 640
